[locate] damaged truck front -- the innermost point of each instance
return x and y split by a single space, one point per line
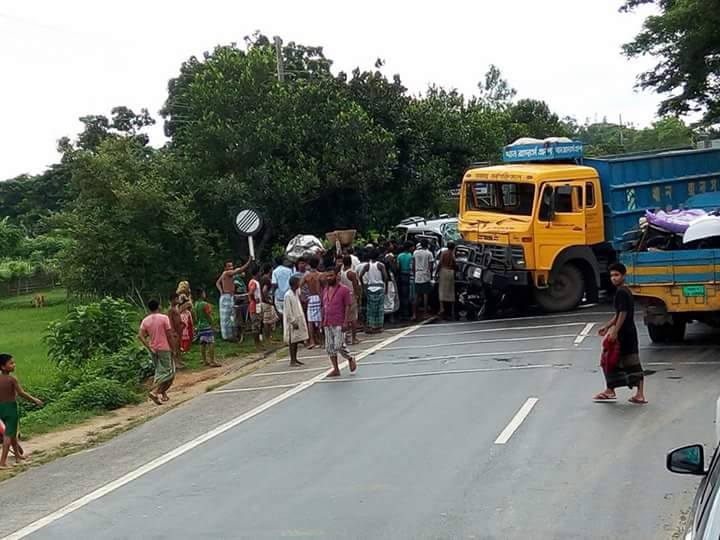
544 227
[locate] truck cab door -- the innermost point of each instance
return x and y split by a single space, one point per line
561 221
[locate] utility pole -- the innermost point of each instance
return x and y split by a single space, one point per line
622 142
278 54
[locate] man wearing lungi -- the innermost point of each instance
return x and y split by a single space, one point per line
226 287
311 286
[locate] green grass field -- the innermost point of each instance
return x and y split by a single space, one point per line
23 327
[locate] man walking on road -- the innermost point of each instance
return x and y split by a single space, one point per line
157 328
336 308
621 328
226 287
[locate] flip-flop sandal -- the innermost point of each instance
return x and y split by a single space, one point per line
155 399
637 401
604 398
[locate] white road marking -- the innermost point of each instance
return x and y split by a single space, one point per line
500 340
190 445
444 372
584 333
257 388
504 329
518 419
423 359
698 363
288 372
583 314
316 357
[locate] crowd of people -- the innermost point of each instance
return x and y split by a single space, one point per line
321 299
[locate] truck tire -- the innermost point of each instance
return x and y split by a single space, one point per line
657 332
676 330
564 293
669 332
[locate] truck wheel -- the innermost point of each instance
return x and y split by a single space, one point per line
676 330
658 332
564 293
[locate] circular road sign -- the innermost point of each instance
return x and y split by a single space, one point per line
248 222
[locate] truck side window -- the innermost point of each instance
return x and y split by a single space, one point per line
589 195
564 200
568 199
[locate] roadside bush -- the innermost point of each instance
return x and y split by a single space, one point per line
80 403
130 366
100 394
98 328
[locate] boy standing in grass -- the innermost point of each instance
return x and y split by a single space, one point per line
203 320
9 390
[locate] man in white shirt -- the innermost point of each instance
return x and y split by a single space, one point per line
423 259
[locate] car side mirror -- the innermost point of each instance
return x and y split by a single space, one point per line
687 460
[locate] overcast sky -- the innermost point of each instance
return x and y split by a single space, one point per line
65 59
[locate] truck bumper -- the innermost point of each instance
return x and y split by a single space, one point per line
500 281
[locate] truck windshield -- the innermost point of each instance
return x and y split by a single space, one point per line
502 197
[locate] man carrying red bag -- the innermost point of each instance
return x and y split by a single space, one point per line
620 360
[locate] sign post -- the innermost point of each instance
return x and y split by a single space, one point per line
248 223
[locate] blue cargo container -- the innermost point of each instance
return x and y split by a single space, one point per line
633 183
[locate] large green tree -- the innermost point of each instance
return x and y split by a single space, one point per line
685 40
131 235
302 152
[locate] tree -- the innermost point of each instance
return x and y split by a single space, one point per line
685 39
130 233
302 152
533 118
123 122
607 139
495 91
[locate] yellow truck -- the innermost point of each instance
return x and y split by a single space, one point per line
544 226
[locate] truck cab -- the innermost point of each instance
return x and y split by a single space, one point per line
536 227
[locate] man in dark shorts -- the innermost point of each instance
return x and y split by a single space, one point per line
621 328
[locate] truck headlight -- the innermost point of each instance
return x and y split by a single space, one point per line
518 256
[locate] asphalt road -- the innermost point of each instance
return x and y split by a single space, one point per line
466 430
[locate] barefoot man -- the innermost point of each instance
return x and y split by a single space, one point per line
226 287
312 287
336 309
621 328
157 335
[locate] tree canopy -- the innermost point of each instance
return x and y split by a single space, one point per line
685 40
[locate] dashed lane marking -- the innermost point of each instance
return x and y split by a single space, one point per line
517 420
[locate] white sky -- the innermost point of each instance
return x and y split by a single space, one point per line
65 59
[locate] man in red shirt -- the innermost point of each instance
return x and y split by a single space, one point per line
157 336
336 318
